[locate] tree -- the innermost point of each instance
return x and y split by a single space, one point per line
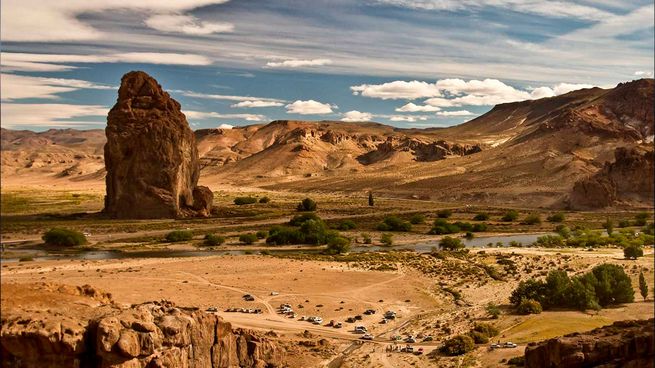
248 238
557 283
510 216
371 201
529 306
529 289
608 225
63 237
307 205
299 219
633 251
611 284
338 245
493 310
641 218
450 243
394 223
643 286
563 231
386 239
556 217
213 240
458 345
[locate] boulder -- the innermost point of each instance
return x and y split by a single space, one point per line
151 156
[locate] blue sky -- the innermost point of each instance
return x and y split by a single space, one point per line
408 63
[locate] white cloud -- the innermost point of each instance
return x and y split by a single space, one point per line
225 126
225 97
257 103
43 21
12 61
354 116
397 90
642 74
15 115
15 87
455 113
309 107
408 118
190 114
441 102
295 63
187 24
411 107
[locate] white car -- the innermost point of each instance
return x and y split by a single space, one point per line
367 337
509 344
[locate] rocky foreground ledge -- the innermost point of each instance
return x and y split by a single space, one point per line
95 332
626 344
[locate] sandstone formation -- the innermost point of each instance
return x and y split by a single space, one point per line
151 155
95 333
626 344
628 179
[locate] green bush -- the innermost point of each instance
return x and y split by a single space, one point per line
338 245
480 227
478 337
641 218
284 235
179 235
394 223
299 219
239 201
458 345
248 238
264 200
529 306
444 213
213 240
532 219
261 234
449 243
563 231
487 329
518 361
442 226
482 216
386 240
366 238
633 251
464 226
510 216
63 237
417 219
493 310
612 285
556 217
624 223
307 205
346 225
312 230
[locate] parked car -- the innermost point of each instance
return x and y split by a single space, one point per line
338 325
368 312
212 309
367 337
509 344
248 298
358 317
410 339
428 338
350 320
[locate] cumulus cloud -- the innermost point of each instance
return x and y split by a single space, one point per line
13 61
408 118
411 107
190 114
257 103
187 24
354 115
16 87
225 126
397 90
15 115
226 97
642 74
455 113
441 102
295 63
309 107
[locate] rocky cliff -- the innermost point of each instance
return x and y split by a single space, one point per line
94 332
151 155
627 344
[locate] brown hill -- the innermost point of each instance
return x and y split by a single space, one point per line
524 153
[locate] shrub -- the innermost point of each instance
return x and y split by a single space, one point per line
464 226
386 240
239 201
449 243
366 238
550 241
633 251
283 235
469 235
394 223
624 223
307 205
346 225
529 306
486 329
478 337
611 284
213 240
63 237
493 310
248 238
556 217
518 361
482 216
530 289
444 213
608 225
179 235
264 200
563 231
510 216
479 227
641 218
338 245
458 345
417 219
261 234
299 219
442 226
532 219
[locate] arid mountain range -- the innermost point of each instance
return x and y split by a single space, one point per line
554 152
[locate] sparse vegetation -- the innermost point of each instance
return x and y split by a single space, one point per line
179 235
240 201
64 237
386 239
556 217
532 219
366 238
307 205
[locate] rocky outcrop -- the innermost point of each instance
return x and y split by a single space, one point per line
156 334
628 179
421 150
151 155
627 344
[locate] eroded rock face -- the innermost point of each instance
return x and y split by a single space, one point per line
629 178
151 155
628 344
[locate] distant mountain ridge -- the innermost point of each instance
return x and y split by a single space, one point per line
528 153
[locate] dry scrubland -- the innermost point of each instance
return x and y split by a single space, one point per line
441 294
